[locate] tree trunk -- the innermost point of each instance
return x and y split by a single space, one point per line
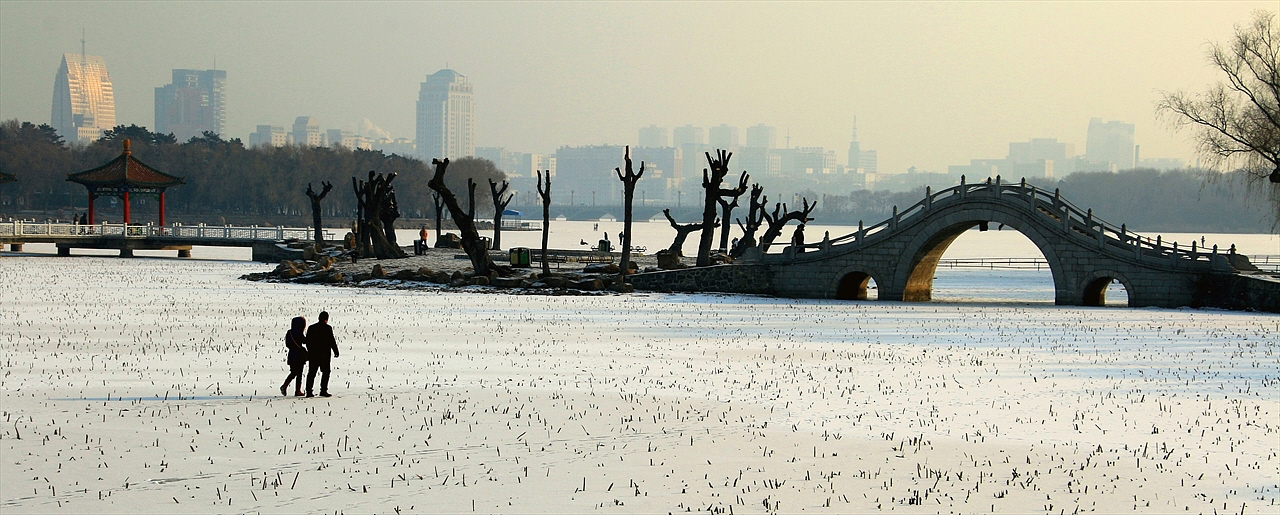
316 211
544 191
629 181
711 180
499 205
439 204
471 243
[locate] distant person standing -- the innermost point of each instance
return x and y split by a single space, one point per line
320 343
797 239
295 341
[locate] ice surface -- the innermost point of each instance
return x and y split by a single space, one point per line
152 385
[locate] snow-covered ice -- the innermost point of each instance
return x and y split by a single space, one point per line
151 385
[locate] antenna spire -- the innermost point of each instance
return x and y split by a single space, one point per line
82 46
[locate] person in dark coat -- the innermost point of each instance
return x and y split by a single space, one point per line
295 341
797 239
320 343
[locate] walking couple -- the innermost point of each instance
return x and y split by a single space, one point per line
312 346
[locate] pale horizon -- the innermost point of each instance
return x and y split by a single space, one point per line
931 84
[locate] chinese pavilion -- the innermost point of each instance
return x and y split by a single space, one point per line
123 176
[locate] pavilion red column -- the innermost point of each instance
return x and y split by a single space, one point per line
126 208
161 209
91 212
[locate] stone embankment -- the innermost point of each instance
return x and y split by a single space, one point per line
449 268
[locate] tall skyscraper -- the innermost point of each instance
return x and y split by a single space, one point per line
194 103
306 132
654 136
724 137
1109 144
762 136
84 104
446 126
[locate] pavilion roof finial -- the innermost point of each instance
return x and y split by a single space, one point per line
126 147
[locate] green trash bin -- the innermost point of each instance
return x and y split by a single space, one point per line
519 257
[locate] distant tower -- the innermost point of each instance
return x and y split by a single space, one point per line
446 126
855 148
83 102
194 103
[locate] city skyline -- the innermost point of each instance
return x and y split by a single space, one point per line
971 77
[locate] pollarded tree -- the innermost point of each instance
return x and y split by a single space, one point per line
755 218
499 205
1238 122
377 209
712 178
629 180
779 219
465 220
544 192
315 209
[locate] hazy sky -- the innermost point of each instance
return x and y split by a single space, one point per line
932 84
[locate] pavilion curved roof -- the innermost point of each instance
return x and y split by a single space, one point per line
125 169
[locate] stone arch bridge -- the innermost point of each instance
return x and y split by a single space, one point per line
901 255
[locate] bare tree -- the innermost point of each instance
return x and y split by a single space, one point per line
682 232
376 208
465 220
1238 122
629 181
316 211
711 180
755 218
779 219
544 191
499 205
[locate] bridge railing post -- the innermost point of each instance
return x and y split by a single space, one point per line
893 222
862 233
963 189
928 198
996 189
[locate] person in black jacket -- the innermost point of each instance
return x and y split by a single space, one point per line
320 343
295 341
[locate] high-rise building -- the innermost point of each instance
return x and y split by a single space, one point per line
869 162
446 126
762 136
688 135
306 132
269 136
194 103
84 104
584 175
724 137
1109 145
654 136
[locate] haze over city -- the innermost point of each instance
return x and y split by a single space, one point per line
931 85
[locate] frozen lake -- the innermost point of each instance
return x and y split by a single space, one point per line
151 385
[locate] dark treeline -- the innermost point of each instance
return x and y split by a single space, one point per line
223 178
1143 199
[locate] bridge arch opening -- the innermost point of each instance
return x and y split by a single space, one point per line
981 261
857 286
1106 290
